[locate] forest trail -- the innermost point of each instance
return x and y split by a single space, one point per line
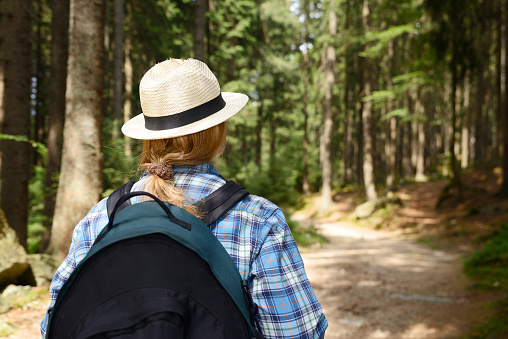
384 284
376 285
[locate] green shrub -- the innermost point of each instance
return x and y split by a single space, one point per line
36 217
490 265
495 327
305 236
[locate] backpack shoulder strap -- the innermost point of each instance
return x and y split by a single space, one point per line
115 197
222 200
214 206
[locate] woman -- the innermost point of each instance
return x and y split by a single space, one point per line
183 126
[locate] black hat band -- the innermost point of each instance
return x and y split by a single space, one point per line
186 117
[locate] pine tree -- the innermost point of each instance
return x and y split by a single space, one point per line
80 184
15 85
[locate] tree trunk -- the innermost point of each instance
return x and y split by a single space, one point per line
39 130
15 88
414 130
209 44
481 116
259 133
326 137
306 80
118 64
420 146
107 62
200 29
504 184
465 126
368 159
455 179
80 184
305 146
357 118
406 149
392 124
127 105
56 109
347 124
500 76
433 133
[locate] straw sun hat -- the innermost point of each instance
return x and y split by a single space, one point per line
180 97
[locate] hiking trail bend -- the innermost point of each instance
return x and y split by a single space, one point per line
374 284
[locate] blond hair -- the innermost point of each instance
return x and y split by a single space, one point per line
193 149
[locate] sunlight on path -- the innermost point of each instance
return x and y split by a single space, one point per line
375 285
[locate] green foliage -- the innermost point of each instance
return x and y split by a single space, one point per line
36 194
382 38
118 169
490 264
36 217
400 112
496 326
38 146
380 98
276 184
305 236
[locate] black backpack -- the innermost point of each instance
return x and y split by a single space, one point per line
156 271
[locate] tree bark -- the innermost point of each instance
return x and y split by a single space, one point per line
80 184
420 154
455 171
368 159
305 146
446 131
39 132
504 184
500 76
127 105
326 137
464 158
211 28
118 63
199 29
56 109
392 124
347 124
306 80
15 88
259 133
414 130
484 57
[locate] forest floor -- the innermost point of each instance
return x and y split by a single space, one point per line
397 274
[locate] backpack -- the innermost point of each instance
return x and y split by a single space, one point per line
157 271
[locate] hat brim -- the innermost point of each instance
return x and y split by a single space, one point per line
135 127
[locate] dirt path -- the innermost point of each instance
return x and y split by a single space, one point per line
377 285
26 320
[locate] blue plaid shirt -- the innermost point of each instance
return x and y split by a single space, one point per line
258 239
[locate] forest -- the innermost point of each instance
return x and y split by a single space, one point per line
344 95
365 93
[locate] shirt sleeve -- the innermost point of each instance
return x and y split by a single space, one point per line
288 307
83 236
61 276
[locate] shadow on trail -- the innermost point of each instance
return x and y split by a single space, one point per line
374 285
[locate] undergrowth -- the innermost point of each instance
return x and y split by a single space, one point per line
305 236
489 267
